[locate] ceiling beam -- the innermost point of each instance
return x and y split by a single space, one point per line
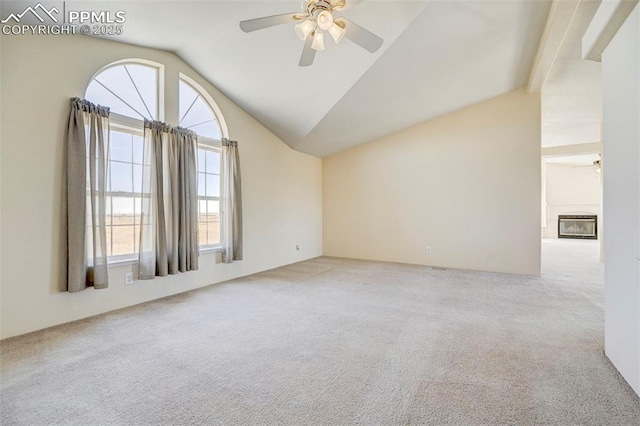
576 149
605 24
560 17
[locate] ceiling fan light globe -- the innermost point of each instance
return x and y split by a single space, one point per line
337 32
325 20
318 41
304 28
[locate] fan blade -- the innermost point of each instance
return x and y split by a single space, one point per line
344 4
267 21
308 54
361 36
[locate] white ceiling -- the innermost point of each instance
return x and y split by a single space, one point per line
572 92
437 57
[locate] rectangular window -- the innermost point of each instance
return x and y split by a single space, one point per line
208 195
124 186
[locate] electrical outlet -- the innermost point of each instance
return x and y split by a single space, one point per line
428 251
128 278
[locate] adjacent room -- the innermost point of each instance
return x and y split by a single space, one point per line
325 212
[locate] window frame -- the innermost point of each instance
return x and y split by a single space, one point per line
214 145
135 126
160 99
126 124
129 128
217 113
209 143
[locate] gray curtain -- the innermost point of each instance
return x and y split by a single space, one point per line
169 213
85 207
231 202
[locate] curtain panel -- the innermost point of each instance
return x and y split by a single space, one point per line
231 202
85 257
169 213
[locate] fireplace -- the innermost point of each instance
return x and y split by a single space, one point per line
578 226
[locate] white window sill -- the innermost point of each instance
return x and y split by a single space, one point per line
210 249
134 260
122 262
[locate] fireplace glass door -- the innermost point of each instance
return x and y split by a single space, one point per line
578 226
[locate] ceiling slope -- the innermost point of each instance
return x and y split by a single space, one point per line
454 54
437 57
572 91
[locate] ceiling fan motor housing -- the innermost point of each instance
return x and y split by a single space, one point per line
314 7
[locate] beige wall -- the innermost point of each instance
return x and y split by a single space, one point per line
570 190
466 184
282 189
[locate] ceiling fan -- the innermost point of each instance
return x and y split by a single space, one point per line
317 17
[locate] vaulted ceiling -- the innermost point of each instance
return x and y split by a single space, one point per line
572 91
437 57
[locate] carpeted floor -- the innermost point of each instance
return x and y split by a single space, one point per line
331 342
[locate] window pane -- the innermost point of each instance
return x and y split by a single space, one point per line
108 204
130 90
120 146
137 178
101 96
201 184
96 171
109 250
122 210
213 162
146 81
201 160
213 185
137 204
187 96
146 179
197 116
123 240
199 113
213 208
202 233
208 222
118 80
209 129
137 149
121 177
136 238
213 232
146 205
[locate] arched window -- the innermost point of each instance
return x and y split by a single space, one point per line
132 91
197 113
129 89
